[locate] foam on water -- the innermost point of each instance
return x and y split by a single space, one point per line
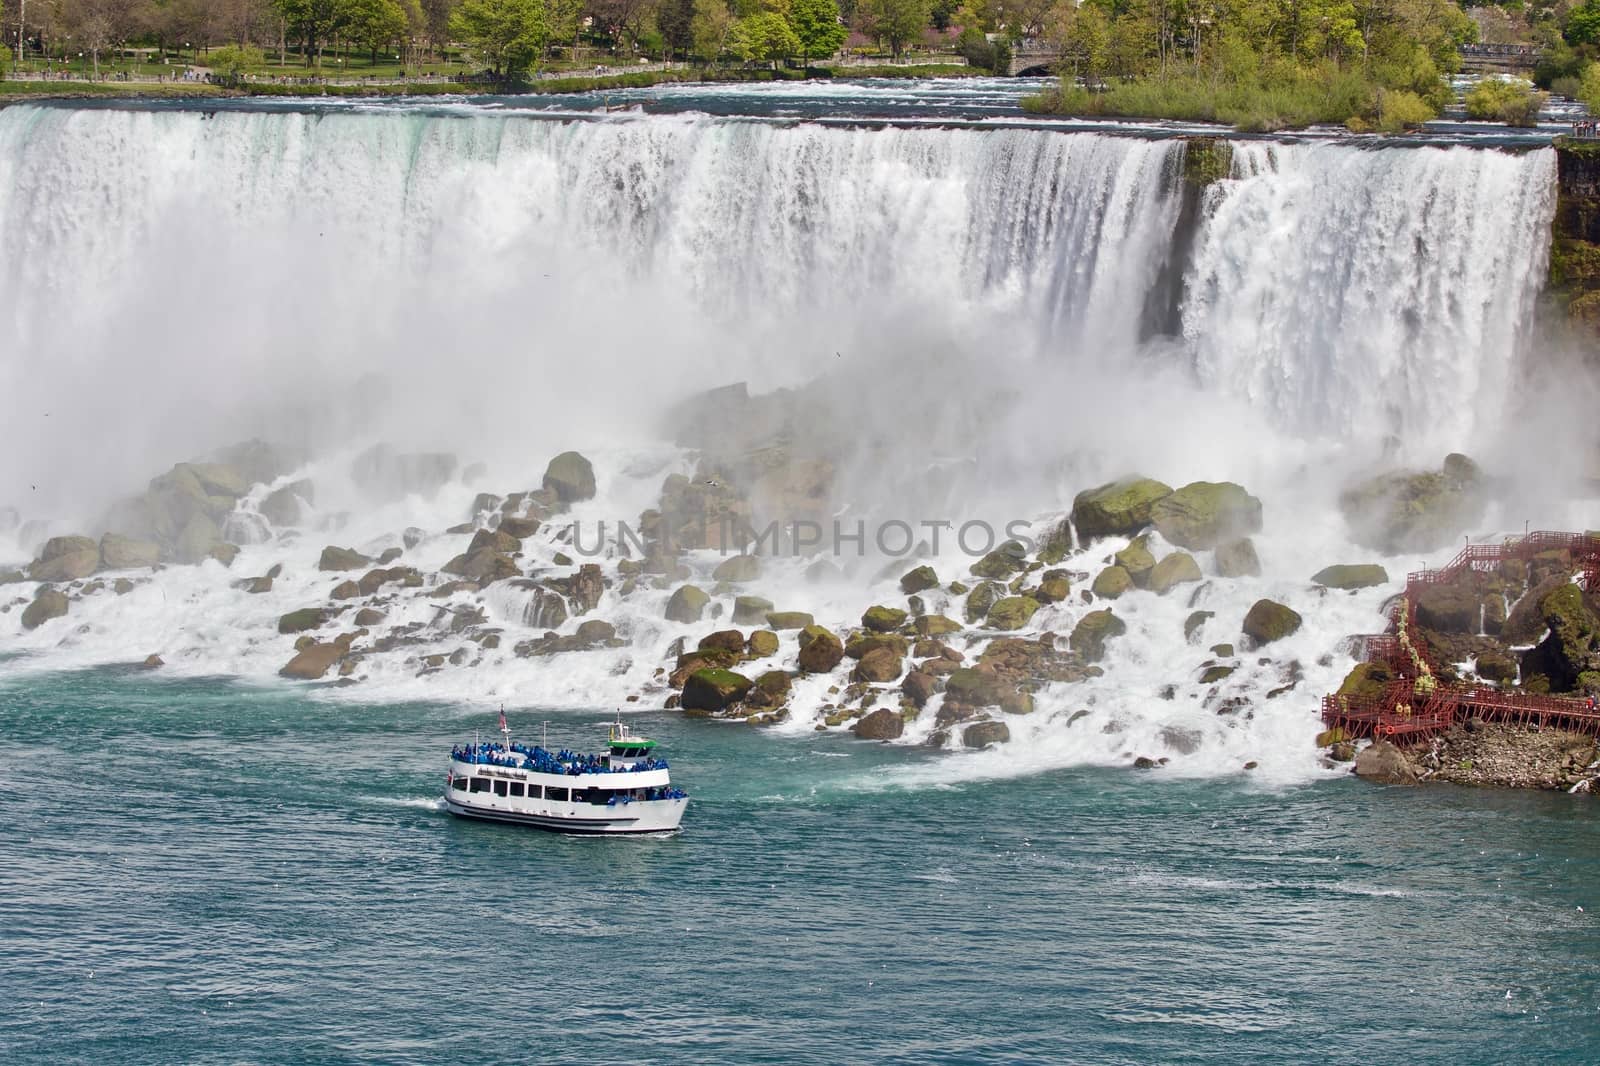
965 313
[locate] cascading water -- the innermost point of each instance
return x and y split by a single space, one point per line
960 311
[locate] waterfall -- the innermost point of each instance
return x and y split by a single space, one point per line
964 314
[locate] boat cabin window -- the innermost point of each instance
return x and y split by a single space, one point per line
480 784
516 788
499 788
557 794
458 783
535 791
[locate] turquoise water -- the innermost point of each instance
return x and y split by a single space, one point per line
198 870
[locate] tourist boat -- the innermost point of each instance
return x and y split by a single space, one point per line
624 790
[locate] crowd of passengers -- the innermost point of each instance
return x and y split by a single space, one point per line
522 757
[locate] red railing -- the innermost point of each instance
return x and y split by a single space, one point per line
1404 711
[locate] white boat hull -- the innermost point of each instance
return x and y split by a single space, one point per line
642 816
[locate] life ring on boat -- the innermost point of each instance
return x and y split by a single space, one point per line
1385 729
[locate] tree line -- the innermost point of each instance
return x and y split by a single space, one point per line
504 38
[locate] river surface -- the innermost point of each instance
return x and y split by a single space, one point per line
206 871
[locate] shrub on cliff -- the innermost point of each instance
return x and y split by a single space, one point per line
1514 102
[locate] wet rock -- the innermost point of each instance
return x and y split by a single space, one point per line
1058 543
47 605
1212 674
1567 652
285 507
877 666
883 619
770 691
346 590
882 724
1194 623
935 625
750 610
762 643
1176 569
1089 636
1055 588
1268 620
1497 667
1384 764
313 662
982 734
1111 582
586 588
921 579
1204 514
1416 512
980 599
595 631
65 559
494 540
1182 741
999 565
336 558
1452 608
521 528
1012 612
369 616
125 553
412 537
1137 560
303 619
1237 558
1144 762
713 690
687 604
862 643
484 567
152 662
738 568
820 650
919 687
729 640
785 620
1118 508
1351 576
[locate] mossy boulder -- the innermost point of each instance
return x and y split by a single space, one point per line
881 724
1055 587
1176 569
713 690
921 579
65 559
936 625
1111 582
750 610
571 477
883 619
1416 512
1093 630
980 599
770 690
1452 608
737 569
1569 649
1268 620
303 619
1238 558
782 620
1204 514
314 660
1195 622
971 687
127 553
1137 560
494 540
862 643
337 558
1008 559
762 643
1351 576
687 604
1497 667
820 650
1214 673
880 665
1057 543
1117 508
48 604
1012 612
983 734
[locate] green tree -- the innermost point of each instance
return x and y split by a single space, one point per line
1583 25
311 21
372 23
816 24
712 25
898 22
231 62
764 36
506 34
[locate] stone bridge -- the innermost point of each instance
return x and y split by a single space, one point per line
1033 56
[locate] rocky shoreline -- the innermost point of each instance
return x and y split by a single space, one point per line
1488 755
952 659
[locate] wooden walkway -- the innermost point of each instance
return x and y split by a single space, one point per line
1415 705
